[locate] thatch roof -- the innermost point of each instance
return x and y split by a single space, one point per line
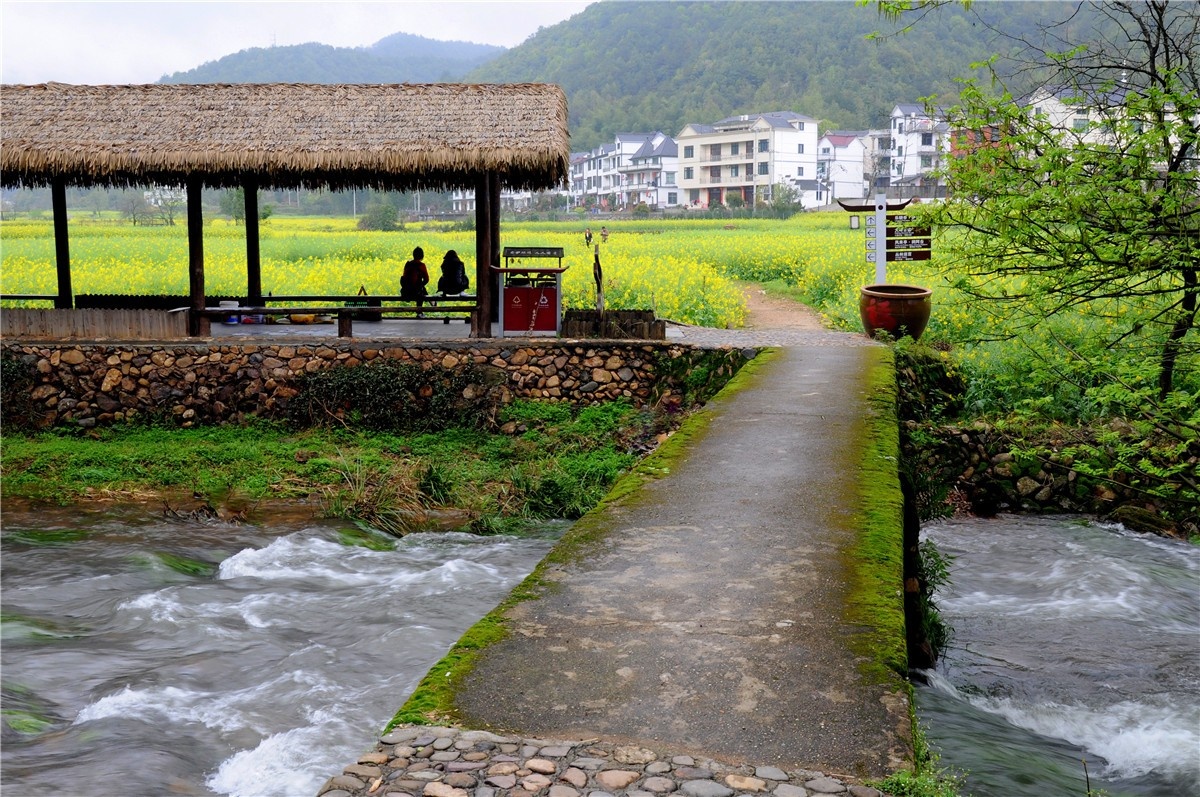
402 136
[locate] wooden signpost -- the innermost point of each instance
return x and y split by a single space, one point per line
902 240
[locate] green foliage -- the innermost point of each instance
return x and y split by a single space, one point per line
388 395
931 386
16 382
933 574
380 216
1099 218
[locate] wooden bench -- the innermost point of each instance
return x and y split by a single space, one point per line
441 307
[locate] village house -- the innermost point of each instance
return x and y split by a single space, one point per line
743 157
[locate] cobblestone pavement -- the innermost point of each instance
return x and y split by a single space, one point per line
447 762
753 338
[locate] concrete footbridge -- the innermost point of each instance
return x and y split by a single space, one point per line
729 621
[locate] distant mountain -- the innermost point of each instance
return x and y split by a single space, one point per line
645 65
399 58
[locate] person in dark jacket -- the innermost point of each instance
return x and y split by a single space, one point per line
414 279
454 275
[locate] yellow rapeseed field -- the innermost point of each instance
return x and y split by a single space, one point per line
685 270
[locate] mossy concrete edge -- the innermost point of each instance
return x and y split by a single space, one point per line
875 602
433 701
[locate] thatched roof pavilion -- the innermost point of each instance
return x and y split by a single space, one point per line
286 135
397 137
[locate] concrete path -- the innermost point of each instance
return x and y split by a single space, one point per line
708 618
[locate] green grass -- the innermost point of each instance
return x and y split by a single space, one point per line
558 462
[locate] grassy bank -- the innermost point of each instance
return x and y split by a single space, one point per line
550 461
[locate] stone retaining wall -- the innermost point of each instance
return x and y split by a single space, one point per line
89 384
988 473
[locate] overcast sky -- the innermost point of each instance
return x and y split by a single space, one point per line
96 41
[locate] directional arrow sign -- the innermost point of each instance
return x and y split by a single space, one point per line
870 232
871 244
908 243
870 221
906 255
908 231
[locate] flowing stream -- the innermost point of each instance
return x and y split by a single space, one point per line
151 657
142 656
1072 642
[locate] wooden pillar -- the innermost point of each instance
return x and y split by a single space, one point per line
253 254
494 205
62 247
481 322
197 325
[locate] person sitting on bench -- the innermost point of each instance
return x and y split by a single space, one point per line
454 275
414 279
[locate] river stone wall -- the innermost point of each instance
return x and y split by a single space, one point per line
90 384
988 472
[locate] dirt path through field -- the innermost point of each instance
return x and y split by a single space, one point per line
764 311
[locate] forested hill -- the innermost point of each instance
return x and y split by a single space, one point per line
643 66
399 58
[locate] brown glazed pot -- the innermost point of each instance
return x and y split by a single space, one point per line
898 310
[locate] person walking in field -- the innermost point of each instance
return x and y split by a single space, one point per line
603 235
414 279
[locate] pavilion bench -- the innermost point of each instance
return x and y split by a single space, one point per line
435 307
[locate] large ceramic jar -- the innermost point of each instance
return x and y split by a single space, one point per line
898 310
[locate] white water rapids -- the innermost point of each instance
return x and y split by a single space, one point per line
261 677
1072 642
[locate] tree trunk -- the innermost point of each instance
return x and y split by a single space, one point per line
1184 322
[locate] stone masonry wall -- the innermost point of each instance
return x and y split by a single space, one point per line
89 384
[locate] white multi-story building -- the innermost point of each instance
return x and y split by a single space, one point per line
651 174
744 156
841 165
464 201
919 143
606 177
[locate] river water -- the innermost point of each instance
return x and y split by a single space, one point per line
146 657
1072 642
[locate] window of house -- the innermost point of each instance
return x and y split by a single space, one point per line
762 167
824 150
899 152
734 171
669 178
689 151
927 139
800 126
800 149
762 145
899 126
926 161
672 198
688 172
715 173
734 148
1080 122
714 150
693 195
799 171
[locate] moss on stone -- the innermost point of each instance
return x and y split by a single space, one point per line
876 597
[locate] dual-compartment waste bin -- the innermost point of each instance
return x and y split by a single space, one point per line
530 296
